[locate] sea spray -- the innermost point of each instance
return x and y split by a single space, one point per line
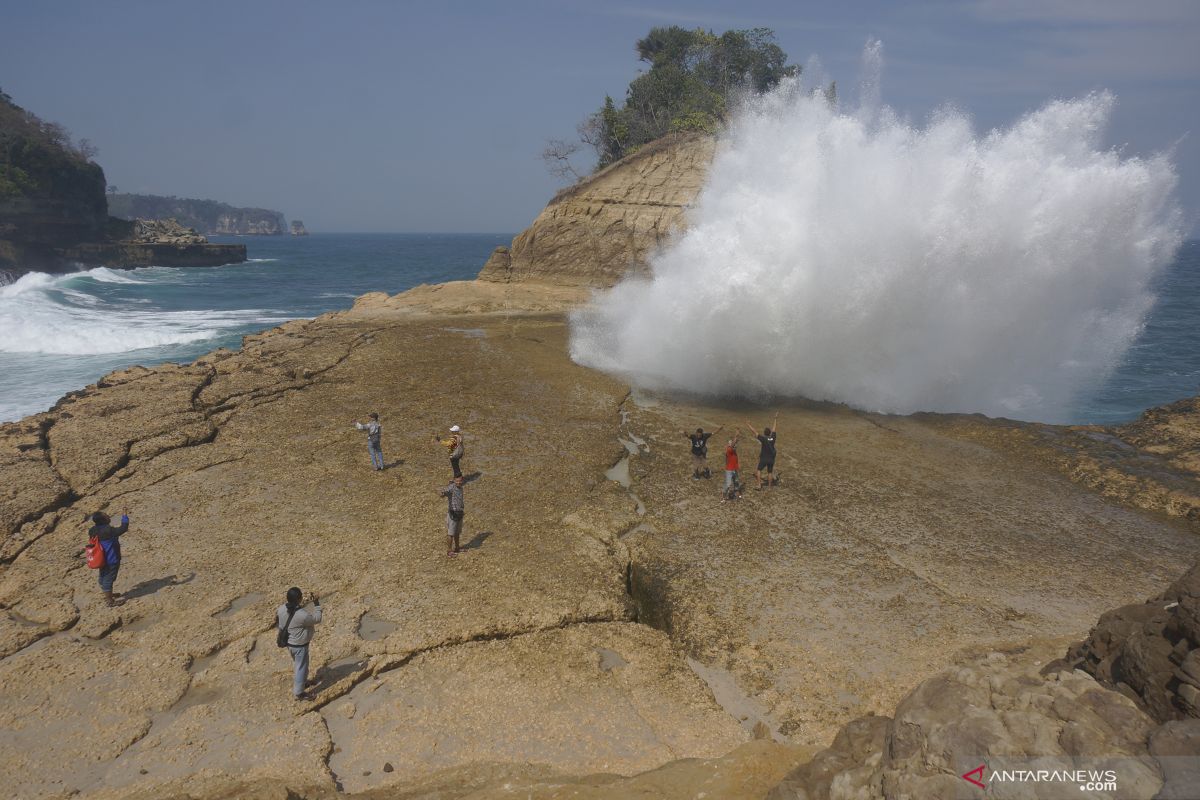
848 255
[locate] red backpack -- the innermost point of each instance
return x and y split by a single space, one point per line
94 552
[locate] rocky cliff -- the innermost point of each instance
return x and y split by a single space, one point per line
54 215
206 216
596 231
51 193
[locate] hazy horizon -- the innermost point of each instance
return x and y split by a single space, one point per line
394 118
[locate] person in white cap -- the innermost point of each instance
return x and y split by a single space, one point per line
455 445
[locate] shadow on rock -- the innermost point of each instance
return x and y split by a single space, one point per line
149 587
477 540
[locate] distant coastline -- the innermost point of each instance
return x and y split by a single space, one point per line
209 217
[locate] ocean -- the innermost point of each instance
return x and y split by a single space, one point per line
62 332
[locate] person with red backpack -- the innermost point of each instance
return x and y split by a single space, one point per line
104 541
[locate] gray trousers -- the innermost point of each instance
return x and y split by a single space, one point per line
300 662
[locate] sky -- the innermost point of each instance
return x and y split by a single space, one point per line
361 116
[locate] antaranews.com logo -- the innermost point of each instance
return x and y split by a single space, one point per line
1078 778
1086 780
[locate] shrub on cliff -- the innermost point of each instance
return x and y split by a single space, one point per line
692 76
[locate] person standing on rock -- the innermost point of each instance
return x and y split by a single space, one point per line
733 488
699 441
110 540
298 622
766 454
455 512
454 445
374 439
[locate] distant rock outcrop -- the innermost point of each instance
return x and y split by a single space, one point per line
164 231
298 228
207 216
593 233
153 242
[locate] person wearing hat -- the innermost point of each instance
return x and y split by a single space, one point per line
455 446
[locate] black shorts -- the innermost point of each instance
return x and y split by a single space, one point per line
769 466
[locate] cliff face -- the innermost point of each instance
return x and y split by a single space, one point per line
206 216
595 232
50 193
54 212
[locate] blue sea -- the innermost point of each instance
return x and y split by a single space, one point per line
62 332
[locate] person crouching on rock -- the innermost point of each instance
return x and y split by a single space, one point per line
374 439
699 441
455 445
110 539
298 622
733 488
454 514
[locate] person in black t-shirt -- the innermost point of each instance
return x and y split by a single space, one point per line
699 441
766 453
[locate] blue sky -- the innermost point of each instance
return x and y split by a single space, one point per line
374 116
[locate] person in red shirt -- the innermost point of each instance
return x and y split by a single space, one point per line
733 487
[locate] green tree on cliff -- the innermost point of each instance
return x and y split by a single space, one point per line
692 78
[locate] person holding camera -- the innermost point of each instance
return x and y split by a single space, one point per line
455 511
298 623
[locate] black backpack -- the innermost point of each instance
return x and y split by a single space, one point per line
281 638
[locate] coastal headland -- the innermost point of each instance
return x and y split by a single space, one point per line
918 588
54 214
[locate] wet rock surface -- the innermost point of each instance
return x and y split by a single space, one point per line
887 551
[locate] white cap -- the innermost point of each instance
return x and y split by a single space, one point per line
455 429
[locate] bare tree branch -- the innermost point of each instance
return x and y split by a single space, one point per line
557 157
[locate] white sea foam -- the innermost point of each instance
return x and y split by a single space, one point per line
106 275
42 313
848 255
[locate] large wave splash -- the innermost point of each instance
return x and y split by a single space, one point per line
851 256
69 315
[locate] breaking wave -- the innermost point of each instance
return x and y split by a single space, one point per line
69 315
848 255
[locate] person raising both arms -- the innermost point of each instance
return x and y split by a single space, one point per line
766 454
454 445
699 441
